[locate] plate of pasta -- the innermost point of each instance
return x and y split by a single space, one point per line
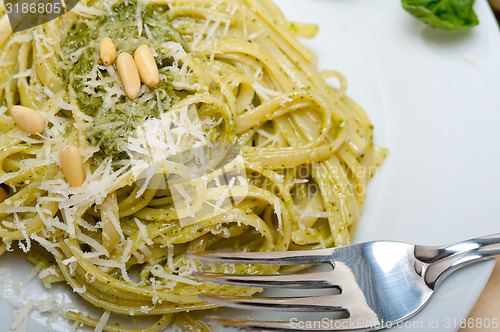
132 132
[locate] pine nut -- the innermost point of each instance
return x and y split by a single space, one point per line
146 64
71 164
3 195
129 75
28 119
108 51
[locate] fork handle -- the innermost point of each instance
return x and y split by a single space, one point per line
441 261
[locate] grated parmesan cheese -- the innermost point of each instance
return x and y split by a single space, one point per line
277 211
102 321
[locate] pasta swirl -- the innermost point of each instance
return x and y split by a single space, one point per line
231 72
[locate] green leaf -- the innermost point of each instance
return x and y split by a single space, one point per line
452 15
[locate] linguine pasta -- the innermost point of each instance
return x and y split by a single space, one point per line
232 72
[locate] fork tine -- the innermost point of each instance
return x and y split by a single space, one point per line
305 280
326 303
279 258
343 324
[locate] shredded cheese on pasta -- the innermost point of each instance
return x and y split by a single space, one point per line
232 72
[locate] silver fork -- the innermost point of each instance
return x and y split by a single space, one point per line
379 281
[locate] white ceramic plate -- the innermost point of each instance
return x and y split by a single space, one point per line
433 98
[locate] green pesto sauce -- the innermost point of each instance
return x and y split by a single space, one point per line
112 124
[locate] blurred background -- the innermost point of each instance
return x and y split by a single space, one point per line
495 4
488 304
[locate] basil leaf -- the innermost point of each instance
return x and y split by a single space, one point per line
452 15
